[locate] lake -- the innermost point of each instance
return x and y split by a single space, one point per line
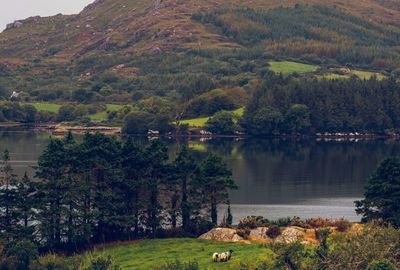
277 178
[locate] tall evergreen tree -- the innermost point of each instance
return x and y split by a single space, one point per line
133 166
25 203
8 213
156 156
215 180
52 189
382 194
184 168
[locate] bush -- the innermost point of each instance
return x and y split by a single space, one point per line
252 222
358 250
22 254
56 262
319 222
342 225
102 264
173 233
245 233
177 265
381 265
273 231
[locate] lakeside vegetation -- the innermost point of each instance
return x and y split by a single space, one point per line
102 190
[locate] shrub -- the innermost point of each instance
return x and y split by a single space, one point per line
381 265
56 262
358 250
22 254
273 231
252 222
177 265
173 233
319 222
100 263
243 233
342 225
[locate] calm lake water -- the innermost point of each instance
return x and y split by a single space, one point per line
277 178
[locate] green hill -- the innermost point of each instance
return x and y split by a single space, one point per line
125 51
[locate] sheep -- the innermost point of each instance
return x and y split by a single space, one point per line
215 257
226 256
223 257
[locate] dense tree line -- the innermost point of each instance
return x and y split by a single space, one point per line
293 106
102 190
317 31
11 111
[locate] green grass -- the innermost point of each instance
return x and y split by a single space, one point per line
368 74
359 73
101 116
288 67
149 254
201 121
49 107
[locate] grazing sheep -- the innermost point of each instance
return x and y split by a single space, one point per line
223 257
226 256
215 257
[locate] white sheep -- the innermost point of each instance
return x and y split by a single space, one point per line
223 257
215 257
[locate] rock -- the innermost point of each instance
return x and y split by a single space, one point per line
222 234
16 24
290 235
90 6
259 234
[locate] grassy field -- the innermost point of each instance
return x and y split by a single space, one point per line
149 254
101 116
49 107
364 75
368 74
201 121
288 67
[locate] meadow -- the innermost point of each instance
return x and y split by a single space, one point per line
102 116
48 107
201 121
288 67
150 254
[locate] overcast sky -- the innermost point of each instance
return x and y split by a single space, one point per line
11 10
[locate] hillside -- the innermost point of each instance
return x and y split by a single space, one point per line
163 53
135 26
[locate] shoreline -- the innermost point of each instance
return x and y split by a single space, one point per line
61 129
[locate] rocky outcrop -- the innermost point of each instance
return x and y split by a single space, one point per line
259 234
90 6
291 234
16 24
222 234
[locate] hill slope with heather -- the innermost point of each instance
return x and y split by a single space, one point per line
136 26
159 54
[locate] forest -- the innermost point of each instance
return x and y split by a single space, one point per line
101 190
290 106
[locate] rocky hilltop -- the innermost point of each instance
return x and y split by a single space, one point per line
131 27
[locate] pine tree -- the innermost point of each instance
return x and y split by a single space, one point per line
215 180
156 156
184 168
8 214
133 166
382 194
25 203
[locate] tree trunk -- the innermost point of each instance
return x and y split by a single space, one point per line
214 213
185 206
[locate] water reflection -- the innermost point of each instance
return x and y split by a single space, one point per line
277 178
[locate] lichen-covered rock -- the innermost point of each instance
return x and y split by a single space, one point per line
259 234
290 235
222 234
